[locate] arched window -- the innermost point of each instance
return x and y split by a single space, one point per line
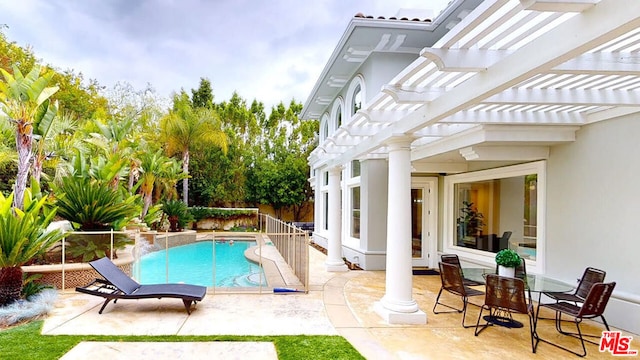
324 128
336 115
356 95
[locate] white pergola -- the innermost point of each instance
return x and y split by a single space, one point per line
508 80
526 73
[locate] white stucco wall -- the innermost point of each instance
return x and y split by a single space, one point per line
593 204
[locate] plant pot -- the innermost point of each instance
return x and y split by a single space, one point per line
506 271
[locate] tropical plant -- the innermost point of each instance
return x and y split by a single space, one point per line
26 101
23 236
186 127
91 205
508 258
152 165
177 213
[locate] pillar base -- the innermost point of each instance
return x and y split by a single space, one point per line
395 317
342 267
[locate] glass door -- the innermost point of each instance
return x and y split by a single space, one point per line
423 221
417 246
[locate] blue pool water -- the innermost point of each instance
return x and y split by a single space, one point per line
193 264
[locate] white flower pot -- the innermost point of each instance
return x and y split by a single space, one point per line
506 271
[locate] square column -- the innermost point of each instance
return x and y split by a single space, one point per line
397 305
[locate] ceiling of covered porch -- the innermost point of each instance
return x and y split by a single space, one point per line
507 81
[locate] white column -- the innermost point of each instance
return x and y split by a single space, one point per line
397 305
334 260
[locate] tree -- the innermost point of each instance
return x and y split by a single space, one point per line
278 170
25 100
152 167
218 178
203 97
186 127
13 55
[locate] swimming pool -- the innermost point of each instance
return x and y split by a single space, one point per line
193 264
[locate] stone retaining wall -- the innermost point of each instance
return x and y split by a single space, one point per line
74 274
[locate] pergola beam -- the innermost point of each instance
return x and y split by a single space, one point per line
583 32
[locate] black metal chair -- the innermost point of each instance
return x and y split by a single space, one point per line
452 282
455 260
507 294
593 306
589 277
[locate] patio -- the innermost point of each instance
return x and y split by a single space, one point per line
338 303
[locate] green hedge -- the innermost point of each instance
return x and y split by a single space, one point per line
200 213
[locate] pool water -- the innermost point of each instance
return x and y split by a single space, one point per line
193 264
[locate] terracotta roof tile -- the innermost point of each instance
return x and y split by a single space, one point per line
363 16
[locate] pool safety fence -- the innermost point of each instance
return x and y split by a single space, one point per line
293 244
276 244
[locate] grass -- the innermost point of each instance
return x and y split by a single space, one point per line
27 342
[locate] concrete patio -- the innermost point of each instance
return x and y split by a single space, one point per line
337 304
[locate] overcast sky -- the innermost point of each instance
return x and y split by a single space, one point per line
272 50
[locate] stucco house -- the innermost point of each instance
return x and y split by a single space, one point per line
439 134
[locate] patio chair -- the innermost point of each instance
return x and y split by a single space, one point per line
118 285
506 294
593 306
589 277
452 282
454 260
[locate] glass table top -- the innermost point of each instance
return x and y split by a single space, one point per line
535 282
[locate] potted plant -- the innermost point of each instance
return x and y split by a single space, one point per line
507 261
470 222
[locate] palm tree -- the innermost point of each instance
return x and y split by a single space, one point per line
185 127
26 101
23 235
152 166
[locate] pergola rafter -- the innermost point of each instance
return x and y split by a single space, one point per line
508 62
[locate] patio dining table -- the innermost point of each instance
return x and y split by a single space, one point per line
534 282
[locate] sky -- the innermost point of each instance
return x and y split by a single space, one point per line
270 50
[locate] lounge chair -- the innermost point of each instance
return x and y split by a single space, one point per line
118 285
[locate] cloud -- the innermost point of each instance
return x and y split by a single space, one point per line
268 50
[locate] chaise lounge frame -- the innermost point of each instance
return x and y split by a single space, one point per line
118 285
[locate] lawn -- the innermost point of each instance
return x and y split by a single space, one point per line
26 342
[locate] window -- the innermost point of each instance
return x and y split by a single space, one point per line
356 102
336 114
355 96
355 212
324 128
355 168
487 203
325 210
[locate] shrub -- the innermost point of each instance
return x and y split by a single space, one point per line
94 206
508 258
177 213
